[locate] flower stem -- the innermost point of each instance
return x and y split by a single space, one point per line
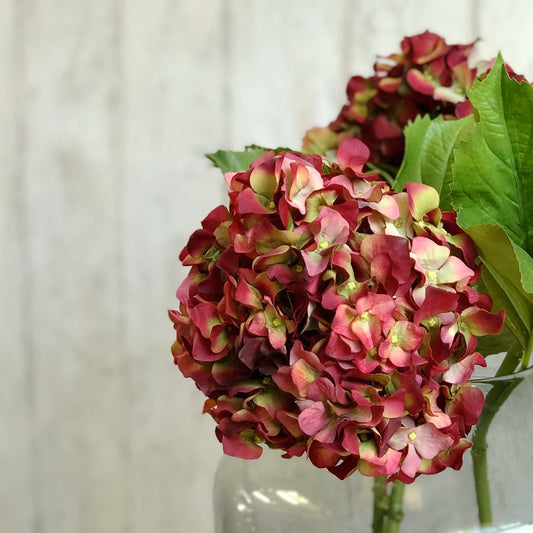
494 400
381 504
395 514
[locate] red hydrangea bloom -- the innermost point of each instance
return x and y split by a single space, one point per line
428 76
325 314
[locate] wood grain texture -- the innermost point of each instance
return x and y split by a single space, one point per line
173 112
507 28
70 179
284 60
378 28
106 110
17 458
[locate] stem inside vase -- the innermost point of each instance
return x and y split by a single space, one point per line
388 513
494 400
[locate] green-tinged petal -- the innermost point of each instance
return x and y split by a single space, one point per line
422 199
263 181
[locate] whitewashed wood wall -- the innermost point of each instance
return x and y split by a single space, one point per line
106 108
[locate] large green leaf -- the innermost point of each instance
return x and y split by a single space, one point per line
493 167
415 133
507 274
428 154
500 343
229 161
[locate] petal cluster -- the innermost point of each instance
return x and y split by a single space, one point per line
428 76
325 314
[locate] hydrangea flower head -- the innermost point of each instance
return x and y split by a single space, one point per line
325 314
427 76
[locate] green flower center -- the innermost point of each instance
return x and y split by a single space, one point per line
432 322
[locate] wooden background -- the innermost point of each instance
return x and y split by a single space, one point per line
106 108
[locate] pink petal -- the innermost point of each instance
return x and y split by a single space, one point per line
350 440
467 403
247 295
481 322
463 369
418 82
389 85
373 464
437 301
384 129
304 180
394 406
430 441
303 374
428 255
247 202
353 154
367 330
453 270
313 419
424 47
411 462
387 206
314 262
238 440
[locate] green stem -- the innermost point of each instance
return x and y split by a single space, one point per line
381 504
395 514
494 400
527 354
387 171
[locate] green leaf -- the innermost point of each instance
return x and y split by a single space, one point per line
493 168
507 274
493 344
429 153
415 133
229 161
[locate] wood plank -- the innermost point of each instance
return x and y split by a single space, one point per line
371 32
174 112
284 69
506 28
71 176
17 494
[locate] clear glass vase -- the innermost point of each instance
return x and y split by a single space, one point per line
276 495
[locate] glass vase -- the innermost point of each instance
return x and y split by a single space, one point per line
277 495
